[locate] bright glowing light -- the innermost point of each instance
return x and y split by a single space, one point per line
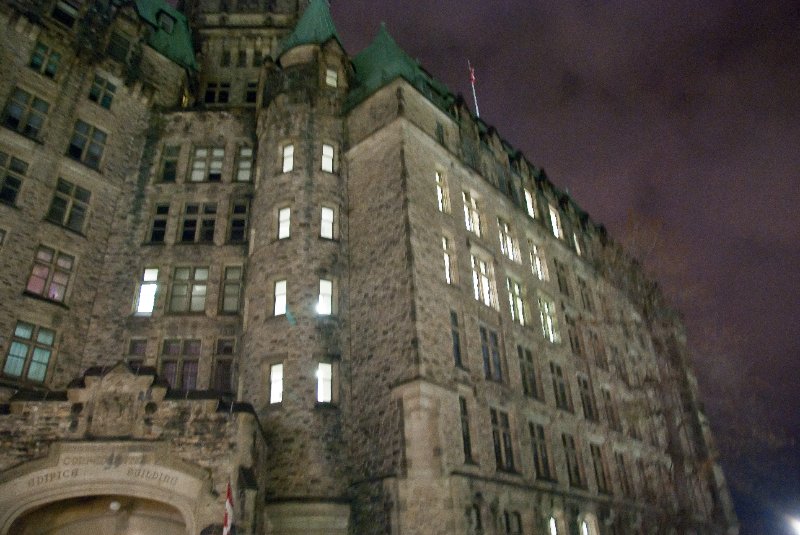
795 524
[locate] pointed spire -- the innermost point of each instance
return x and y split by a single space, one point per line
383 60
314 27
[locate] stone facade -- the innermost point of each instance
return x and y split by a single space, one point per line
317 278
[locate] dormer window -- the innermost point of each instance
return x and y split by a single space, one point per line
166 21
331 77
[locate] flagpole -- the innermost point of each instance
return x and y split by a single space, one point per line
472 83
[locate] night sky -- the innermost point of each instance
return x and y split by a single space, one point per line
677 125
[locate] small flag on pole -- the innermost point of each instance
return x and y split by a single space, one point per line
472 83
227 523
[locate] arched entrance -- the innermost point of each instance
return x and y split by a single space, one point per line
109 515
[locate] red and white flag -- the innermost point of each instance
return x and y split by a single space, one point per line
227 523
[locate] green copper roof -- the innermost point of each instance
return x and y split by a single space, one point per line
314 27
174 43
383 61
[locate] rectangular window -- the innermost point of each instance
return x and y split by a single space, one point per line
66 11
179 363
70 206
241 58
472 217
456 337
490 349
326 229
574 465
501 437
541 455
237 225
538 261
87 144
146 296
166 22
199 222
50 274
508 246
515 301
251 93
102 91
189 288
222 378
324 382
624 478
562 277
284 223
442 196
30 352
137 351
169 163
598 351
325 302
207 164
225 58
280 298
276 383
244 164
547 315
45 60
530 203
483 281
158 229
587 398
512 522
612 415
555 223
574 335
217 93
527 369
232 290
600 472
576 241
466 439
119 47
327 158
586 295
25 113
11 172
448 267
560 388
288 158
331 77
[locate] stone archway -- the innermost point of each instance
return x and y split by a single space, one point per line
112 515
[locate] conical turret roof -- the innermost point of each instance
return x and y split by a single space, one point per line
314 27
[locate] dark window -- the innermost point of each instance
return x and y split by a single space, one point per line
199 221
586 295
560 388
561 277
237 229
217 92
67 11
169 163
541 456
527 368
490 347
624 477
166 21
179 360
159 227
29 353
574 468
50 274
223 366
119 47
512 522
44 60
102 91
501 436
70 206
87 144
251 93
587 398
466 440
600 472
25 113
612 416
598 351
137 351
241 59
574 334
456 339
225 58
11 172
258 58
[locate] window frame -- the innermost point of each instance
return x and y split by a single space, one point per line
442 193
548 317
206 164
327 228
102 91
235 285
472 214
276 383
186 363
196 290
502 440
25 113
326 302
491 351
87 147
508 244
147 283
34 346
280 298
483 285
328 159
73 202
12 169
198 222
516 301
54 274
45 60
158 225
542 468
561 388
244 164
287 157
284 223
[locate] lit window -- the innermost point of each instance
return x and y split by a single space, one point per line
555 223
472 217
102 91
490 350
483 281
327 158
148 287
158 229
552 526
207 164
30 352
237 226
276 383
284 223
179 363
541 455
547 315
448 267
244 164
70 206
442 197
87 144
288 158
326 223
560 387
50 274
325 302
331 77
217 93
44 60
25 113
538 262
501 436
507 244
530 204
199 222
515 301
189 287
325 382
577 242
169 163
574 335
280 298
11 172
232 289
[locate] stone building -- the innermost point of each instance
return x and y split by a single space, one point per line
230 252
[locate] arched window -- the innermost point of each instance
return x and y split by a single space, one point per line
553 526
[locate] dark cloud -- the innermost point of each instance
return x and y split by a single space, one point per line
681 114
